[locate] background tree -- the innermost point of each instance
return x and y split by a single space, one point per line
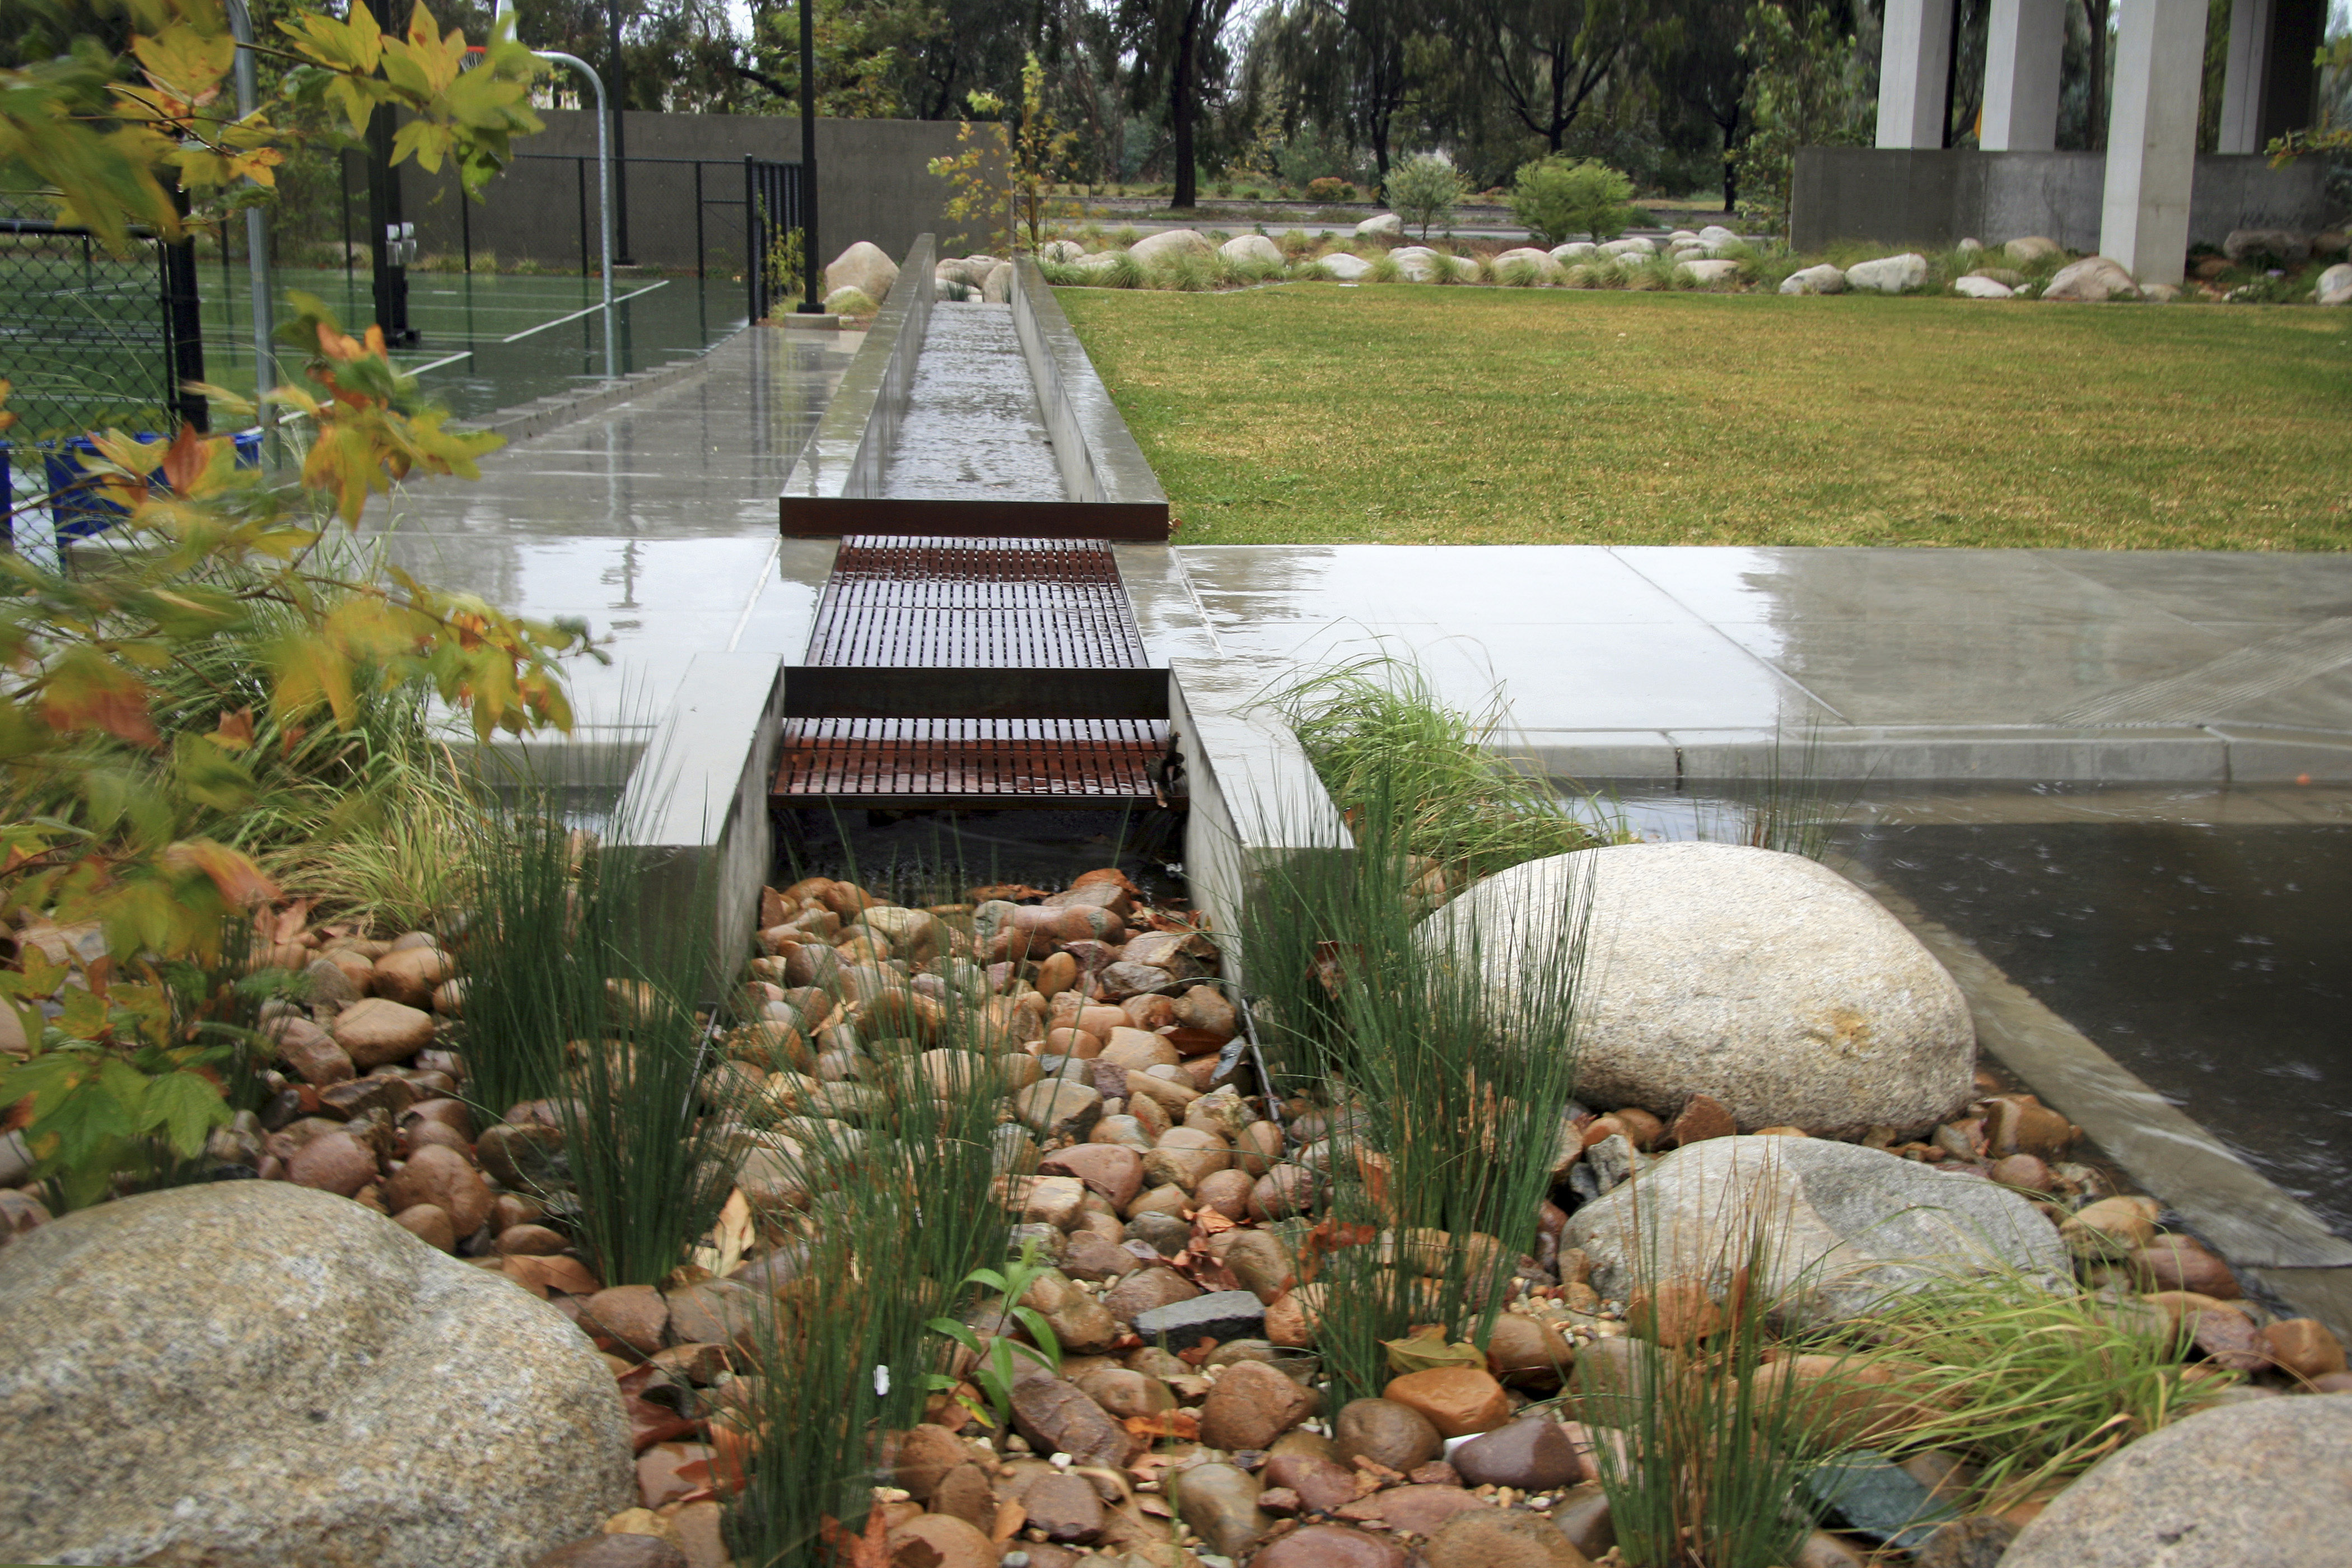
1546 60
1178 59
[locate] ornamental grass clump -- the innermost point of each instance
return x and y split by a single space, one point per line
2033 1387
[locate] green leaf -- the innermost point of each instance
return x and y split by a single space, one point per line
186 1107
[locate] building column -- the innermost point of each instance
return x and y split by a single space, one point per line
1914 73
2025 41
2152 137
2271 86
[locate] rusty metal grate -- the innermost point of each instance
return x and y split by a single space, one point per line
1035 604
1011 762
939 604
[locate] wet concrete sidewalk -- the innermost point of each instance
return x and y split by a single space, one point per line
1657 662
655 519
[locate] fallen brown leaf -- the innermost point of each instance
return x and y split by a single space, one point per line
870 1549
568 1275
1179 1424
1010 1517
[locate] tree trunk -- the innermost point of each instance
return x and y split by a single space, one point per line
1182 107
1730 171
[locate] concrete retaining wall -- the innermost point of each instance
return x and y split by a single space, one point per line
844 459
872 184
1899 196
1096 452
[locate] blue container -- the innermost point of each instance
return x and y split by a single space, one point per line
75 502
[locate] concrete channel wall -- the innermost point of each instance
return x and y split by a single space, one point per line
845 458
1099 459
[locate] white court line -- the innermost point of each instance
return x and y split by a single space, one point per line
589 311
436 365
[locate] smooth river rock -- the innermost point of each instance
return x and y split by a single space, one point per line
2257 1485
1849 1225
250 1374
1764 979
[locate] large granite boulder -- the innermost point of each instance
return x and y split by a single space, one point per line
1889 274
1381 226
1169 244
865 267
251 1375
1848 1227
1251 250
1821 279
2256 1485
1764 979
1346 269
2094 277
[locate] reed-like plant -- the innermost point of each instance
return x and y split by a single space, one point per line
1445 1048
1378 729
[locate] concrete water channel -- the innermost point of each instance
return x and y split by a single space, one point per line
2103 786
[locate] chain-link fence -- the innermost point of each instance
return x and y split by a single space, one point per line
89 339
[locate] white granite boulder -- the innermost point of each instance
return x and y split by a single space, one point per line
1821 279
2261 1484
1419 264
1574 250
865 267
1848 1227
1765 980
1169 244
1529 255
1709 274
1975 288
2094 277
2335 286
1632 245
996 289
2032 247
1381 226
1345 267
1251 250
1889 274
249 1374
1064 251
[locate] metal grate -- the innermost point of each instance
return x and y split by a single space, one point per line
1034 762
939 603
1035 604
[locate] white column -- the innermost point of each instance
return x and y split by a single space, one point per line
2024 42
2241 86
1913 71
2152 137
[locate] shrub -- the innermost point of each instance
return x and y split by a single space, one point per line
1330 189
1424 191
1557 198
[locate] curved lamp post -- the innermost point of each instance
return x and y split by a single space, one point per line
603 183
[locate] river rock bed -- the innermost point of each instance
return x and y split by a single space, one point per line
1172 1209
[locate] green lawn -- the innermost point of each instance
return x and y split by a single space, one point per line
1415 414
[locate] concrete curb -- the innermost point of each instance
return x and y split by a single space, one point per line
541 415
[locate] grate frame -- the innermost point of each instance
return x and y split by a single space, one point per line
972 761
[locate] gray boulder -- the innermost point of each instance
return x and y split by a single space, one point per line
1848 1226
1574 250
2256 1485
1381 226
1888 274
2284 246
2335 286
249 1374
1765 980
1062 250
1347 268
996 289
2031 248
1707 274
1632 245
1975 288
1419 263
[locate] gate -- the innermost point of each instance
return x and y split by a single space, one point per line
772 210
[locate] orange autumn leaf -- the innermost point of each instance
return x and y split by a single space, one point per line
240 881
542 1274
1181 1424
871 1550
234 731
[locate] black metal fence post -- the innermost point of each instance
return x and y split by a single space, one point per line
753 263
184 336
343 177
580 179
465 221
701 256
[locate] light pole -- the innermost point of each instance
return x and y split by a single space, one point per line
811 303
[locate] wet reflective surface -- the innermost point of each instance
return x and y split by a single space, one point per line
654 521
973 429
493 340
2198 937
1668 643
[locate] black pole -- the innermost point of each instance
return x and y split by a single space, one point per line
185 329
343 175
383 201
753 262
1952 75
811 304
465 222
700 257
616 87
580 181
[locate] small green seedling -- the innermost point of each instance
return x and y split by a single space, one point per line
995 1370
